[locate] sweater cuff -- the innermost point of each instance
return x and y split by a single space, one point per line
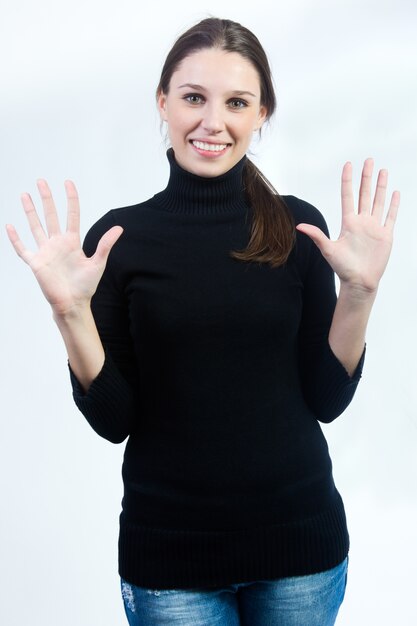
78 391
333 397
357 374
108 403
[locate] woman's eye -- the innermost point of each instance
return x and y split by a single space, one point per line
237 103
193 98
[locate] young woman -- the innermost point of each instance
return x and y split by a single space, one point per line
211 337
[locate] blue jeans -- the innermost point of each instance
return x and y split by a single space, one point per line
312 600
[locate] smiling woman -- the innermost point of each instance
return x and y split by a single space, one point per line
218 364
230 105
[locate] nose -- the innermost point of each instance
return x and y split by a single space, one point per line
213 119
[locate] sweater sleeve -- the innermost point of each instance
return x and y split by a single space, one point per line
110 404
327 387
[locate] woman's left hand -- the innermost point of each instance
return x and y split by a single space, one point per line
360 254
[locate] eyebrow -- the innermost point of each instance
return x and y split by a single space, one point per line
236 92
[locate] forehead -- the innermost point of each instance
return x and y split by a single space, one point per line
213 68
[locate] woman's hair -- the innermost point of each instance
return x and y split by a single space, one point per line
273 232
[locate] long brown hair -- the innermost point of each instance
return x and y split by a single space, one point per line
272 230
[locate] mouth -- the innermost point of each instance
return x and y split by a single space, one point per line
210 149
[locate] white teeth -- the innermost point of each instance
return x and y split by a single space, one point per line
212 147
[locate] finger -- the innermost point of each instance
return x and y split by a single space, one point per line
36 227
365 189
106 243
51 217
17 244
380 194
317 235
73 215
393 210
348 203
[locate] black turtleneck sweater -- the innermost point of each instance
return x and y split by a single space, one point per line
218 372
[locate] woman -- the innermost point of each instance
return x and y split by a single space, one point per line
214 341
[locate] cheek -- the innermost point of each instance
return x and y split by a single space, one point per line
246 130
181 123
246 124
178 133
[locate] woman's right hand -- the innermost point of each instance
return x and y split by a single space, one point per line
67 277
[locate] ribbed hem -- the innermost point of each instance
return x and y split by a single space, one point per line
108 404
169 559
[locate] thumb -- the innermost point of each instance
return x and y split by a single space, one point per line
317 235
106 243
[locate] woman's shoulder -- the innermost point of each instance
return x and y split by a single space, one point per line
133 218
304 212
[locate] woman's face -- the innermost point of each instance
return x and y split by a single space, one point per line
212 109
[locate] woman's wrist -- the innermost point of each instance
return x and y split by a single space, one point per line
357 294
74 313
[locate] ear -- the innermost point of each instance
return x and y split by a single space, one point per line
262 115
162 105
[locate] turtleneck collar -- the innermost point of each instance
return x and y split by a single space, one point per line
198 195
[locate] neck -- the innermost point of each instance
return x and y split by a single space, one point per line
190 193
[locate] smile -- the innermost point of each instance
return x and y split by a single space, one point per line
210 149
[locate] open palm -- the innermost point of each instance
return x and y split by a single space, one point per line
66 276
360 254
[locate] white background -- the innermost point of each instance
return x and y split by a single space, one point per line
77 101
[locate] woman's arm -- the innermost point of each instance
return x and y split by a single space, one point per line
83 344
359 258
348 329
69 279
